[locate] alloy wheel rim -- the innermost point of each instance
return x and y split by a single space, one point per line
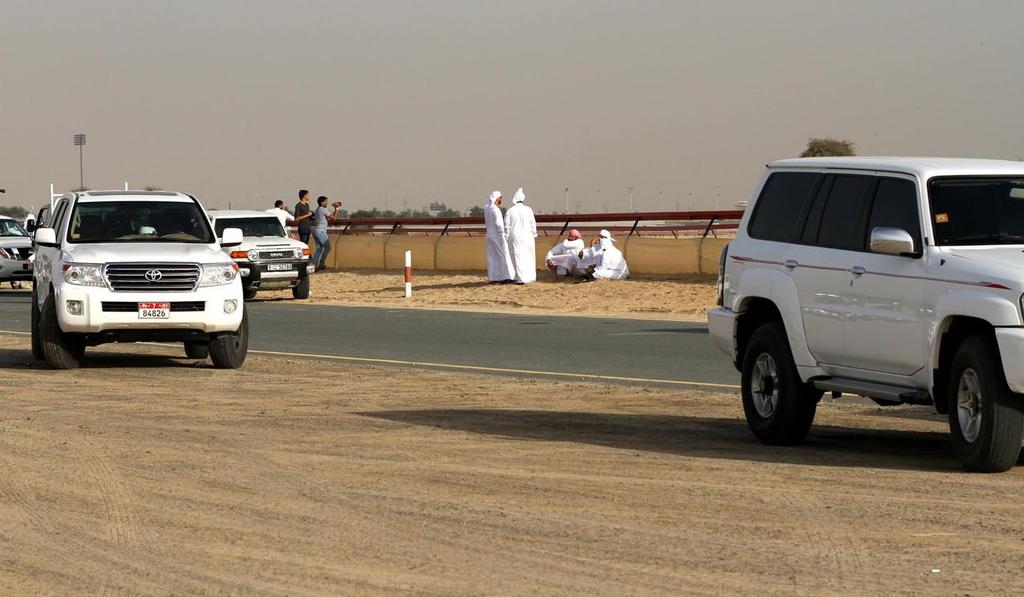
968 405
764 385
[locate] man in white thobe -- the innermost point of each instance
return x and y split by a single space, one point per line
499 264
521 227
603 260
561 259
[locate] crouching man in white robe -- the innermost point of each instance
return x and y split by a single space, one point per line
603 260
521 227
562 258
499 263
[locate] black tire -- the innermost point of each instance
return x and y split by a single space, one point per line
249 293
990 443
197 350
37 342
228 350
786 415
301 290
60 350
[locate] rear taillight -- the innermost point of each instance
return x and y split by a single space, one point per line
720 287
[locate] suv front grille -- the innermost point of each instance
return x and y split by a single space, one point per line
176 306
152 277
277 254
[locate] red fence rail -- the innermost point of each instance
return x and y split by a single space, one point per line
687 223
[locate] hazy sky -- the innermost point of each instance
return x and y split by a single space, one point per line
387 100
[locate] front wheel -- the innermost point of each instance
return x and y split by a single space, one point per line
249 293
984 420
779 407
60 350
228 350
301 290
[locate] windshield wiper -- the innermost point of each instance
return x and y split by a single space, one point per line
989 237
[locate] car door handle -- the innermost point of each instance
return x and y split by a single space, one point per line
791 263
858 270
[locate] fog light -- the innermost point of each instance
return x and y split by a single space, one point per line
230 305
75 307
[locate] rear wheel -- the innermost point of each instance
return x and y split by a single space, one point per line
197 350
37 342
228 350
301 290
779 407
60 350
984 420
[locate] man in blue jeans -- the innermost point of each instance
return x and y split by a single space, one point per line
320 217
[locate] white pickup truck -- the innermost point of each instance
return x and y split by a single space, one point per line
128 266
899 279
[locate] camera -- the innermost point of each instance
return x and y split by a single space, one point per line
336 204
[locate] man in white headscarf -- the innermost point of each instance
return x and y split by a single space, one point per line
561 259
521 227
603 260
499 264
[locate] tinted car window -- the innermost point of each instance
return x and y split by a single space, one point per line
779 207
895 206
843 222
809 236
977 210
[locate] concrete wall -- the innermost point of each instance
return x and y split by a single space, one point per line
666 256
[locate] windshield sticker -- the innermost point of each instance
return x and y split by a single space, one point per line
942 218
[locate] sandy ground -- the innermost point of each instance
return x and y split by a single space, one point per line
682 297
147 474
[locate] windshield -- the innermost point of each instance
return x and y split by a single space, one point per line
254 226
9 228
978 210
139 221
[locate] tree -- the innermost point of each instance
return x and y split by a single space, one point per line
150 187
449 213
820 147
476 211
13 211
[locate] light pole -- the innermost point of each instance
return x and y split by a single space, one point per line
630 189
661 201
80 143
566 199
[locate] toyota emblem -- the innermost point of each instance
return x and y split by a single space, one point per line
154 275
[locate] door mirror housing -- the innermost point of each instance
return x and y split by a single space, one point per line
892 241
232 237
46 237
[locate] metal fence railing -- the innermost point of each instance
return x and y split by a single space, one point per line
668 223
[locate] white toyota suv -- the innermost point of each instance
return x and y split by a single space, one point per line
268 259
128 266
899 279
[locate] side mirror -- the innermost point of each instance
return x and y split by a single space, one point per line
892 241
46 237
232 237
30 226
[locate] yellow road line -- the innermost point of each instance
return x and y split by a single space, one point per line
351 359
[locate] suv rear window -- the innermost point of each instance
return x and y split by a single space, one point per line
842 222
779 207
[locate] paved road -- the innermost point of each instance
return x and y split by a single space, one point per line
629 348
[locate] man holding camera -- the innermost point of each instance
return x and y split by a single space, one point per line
320 217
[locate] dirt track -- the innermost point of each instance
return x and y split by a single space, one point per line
150 475
680 297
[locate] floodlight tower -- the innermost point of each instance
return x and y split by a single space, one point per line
80 143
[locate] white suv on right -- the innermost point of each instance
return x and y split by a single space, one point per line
899 279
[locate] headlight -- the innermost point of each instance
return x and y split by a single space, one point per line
219 274
84 275
253 255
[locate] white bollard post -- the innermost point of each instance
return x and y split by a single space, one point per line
408 274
